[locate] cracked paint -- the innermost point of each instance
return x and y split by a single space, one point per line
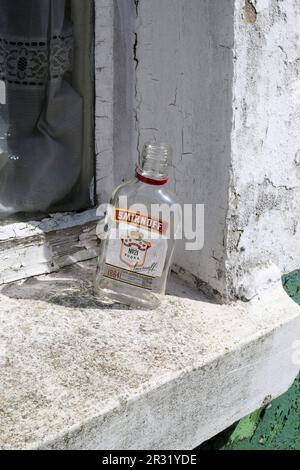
33 248
135 46
265 148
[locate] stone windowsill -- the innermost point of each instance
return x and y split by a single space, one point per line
75 375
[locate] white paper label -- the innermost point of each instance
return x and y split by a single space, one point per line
135 250
2 92
128 277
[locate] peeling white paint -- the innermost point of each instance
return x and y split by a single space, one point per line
257 279
33 248
265 184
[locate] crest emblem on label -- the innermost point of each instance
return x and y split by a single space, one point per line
134 249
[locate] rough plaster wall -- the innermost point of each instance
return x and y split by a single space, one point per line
183 58
263 227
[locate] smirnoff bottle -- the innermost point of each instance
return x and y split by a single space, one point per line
142 224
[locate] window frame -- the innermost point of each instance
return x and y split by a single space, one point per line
47 243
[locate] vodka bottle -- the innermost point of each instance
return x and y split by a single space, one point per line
142 224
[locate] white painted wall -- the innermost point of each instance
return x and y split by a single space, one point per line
176 87
219 81
183 95
264 210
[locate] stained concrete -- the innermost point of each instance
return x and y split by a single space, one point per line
75 374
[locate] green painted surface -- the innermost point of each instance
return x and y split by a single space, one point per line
291 284
245 428
276 427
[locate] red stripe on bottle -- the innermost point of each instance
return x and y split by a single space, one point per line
146 180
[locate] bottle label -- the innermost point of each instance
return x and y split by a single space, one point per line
136 248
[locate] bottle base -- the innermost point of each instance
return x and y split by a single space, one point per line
111 292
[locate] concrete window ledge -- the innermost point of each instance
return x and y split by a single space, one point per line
77 376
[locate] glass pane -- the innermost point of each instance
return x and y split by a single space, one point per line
41 109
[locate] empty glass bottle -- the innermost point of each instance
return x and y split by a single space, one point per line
142 224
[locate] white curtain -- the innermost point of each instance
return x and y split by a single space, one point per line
41 113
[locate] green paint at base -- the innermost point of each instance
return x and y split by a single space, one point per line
278 426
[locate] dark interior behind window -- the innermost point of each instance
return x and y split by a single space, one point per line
46 138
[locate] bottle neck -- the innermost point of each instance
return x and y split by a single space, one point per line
153 164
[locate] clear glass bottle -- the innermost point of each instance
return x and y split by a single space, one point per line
137 251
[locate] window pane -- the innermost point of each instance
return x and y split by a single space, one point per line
41 109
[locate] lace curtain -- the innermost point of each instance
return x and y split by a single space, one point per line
40 112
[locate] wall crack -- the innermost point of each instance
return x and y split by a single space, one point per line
286 188
135 46
137 5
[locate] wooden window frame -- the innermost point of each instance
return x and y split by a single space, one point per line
34 247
